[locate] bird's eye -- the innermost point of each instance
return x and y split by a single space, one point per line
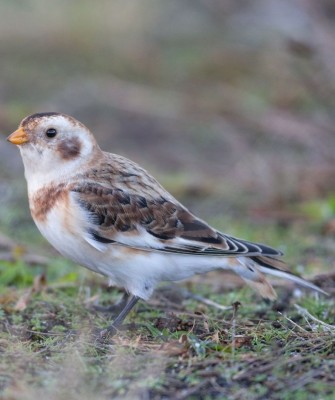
51 132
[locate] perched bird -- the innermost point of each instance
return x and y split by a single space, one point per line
108 214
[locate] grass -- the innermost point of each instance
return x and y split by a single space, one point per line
173 346
165 352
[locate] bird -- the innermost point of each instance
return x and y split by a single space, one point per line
108 214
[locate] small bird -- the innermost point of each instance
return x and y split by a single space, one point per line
108 214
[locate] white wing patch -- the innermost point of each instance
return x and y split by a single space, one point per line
102 247
140 239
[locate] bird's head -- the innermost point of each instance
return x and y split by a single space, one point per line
53 144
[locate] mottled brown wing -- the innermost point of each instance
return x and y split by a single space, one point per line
115 211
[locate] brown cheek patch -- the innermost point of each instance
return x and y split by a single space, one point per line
45 199
69 149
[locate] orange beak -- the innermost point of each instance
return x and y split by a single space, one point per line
18 137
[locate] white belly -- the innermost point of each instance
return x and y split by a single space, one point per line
138 271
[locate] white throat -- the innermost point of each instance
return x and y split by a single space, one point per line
44 172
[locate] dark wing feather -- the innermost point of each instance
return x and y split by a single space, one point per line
112 211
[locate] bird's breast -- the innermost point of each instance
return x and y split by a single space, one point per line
43 200
60 221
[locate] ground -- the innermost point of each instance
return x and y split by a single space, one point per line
177 345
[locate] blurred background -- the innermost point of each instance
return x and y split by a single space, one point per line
229 103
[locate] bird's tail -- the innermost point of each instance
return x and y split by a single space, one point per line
252 270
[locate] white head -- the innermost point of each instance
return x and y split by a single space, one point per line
52 146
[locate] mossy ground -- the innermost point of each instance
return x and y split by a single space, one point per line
173 346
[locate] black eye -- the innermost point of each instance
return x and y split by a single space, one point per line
51 132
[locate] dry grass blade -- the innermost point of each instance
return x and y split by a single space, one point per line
293 323
206 301
39 284
307 315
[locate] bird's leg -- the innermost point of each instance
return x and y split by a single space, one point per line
113 308
110 330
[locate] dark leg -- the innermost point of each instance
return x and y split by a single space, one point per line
114 308
120 318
